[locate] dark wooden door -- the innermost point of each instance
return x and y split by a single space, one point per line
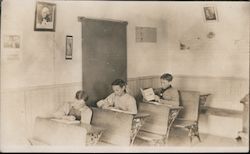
104 45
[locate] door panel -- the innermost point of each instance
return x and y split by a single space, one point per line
104 45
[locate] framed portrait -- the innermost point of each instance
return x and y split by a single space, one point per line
45 16
69 47
210 13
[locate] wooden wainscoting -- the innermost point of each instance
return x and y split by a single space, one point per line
134 84
226 91
21 106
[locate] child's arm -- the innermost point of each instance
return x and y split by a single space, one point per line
171 98
106 103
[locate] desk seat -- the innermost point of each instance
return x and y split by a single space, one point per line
120 128
157 127
188 117
183 123
49 132
55 133
152 138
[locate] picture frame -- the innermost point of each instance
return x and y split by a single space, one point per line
45 16
12 45
12 41
210 13
69 47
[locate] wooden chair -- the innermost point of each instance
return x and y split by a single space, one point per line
120 128
189 116
157 126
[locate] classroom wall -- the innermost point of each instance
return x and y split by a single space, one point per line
224 55
36 79
41 60
218 65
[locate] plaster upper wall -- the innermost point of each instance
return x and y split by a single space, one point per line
42 55
140 55
224 55
33 64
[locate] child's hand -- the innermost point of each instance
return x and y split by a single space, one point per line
100 103
106 106
144 100
157 98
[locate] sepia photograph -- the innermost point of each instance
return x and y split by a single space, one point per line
160 78
45 16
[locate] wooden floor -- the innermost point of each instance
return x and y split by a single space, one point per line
180 138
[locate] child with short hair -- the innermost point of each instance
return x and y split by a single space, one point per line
167 94
77 110
119 99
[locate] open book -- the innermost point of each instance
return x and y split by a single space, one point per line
148 94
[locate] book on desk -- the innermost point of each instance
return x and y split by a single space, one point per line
148 94
149 97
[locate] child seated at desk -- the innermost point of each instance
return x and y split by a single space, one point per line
77 110
167 94
119 99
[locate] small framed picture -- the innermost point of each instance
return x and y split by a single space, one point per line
45 16
69 47
210 13
12 41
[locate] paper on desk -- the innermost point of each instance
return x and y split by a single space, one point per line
153 102
67 121
117 110
157 103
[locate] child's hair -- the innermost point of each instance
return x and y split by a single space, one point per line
167 76
80 94
119 82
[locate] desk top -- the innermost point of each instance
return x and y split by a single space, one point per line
141 115
166 105
88 127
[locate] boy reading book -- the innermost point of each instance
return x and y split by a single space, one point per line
166 94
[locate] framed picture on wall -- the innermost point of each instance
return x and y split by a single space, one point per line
210 13
45 16
69 47
12 41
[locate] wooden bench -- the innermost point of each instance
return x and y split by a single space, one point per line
120 128
49 132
